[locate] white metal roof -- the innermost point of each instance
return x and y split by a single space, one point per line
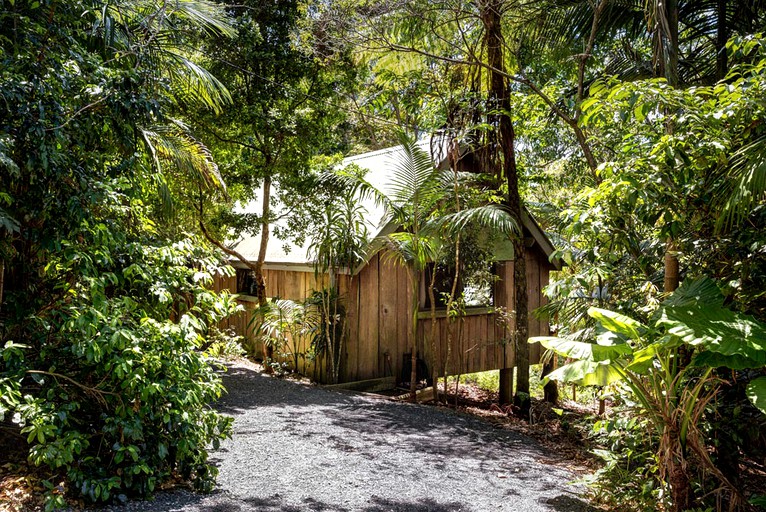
380 165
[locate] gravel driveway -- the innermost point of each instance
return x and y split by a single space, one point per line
302 448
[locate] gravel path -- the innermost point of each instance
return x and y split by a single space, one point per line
300 448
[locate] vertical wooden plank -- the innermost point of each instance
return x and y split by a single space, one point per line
273 284
306 282
544 278
510 350
294 285
368 340
490 351
388 318
354 330
470 346
533 292
460 344
403 312
505 294
485 343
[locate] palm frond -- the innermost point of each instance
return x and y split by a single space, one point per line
409 249
207 16
748 176
192 83
414 180
494 217
173 145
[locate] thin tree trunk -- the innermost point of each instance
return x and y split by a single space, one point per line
587 52
671 70
415 278
506 386
671 73
450 307
551 389
260 279
671 267
491 14
456 276
434 357
722 36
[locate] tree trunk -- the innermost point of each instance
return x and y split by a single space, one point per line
671 69
453 155
680 484
551 389
722 36
671 267
498 92
671 72
506 386
434 357
260 279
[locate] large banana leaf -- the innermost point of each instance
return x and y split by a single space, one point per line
582 350
618 323
756 392
740 337
587 373
699 292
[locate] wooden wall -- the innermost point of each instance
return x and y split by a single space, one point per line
379 317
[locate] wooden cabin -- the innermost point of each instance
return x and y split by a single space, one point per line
378 301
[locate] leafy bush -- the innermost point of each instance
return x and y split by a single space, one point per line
108 387
669 368
630 475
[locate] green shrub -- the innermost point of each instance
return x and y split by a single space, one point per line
109 387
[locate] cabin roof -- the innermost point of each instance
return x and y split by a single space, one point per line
380 165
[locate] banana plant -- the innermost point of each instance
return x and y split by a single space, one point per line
669 364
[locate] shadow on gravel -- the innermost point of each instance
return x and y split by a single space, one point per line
276 503
563 503
248 389
430 430
377 504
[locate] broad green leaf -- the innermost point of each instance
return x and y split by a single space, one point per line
708 358
719 330
618 323
699 292
642 359
587 373
756 392
581 350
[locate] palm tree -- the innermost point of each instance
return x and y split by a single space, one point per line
415 190
339 242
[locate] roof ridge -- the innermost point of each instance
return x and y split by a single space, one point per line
383 151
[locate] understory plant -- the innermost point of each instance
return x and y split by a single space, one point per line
669 367
106 385
281 325
326 327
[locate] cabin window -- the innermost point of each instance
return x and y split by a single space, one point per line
480 286
476 285
245 282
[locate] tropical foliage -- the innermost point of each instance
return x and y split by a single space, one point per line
103 310
668 365
633 130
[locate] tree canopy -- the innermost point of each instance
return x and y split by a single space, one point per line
132 132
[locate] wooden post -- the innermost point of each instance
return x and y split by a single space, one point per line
506 386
